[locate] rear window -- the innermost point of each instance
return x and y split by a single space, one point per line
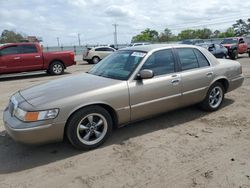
26 49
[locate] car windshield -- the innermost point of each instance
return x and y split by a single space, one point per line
229 41
119 65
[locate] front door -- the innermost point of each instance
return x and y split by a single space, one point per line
160 93
9 59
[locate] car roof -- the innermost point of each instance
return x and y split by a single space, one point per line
150 47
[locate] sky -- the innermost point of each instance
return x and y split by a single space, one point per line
93 19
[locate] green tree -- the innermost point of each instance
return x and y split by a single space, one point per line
10 36
147 35
241 27
228 33
203 33
166 36
187 34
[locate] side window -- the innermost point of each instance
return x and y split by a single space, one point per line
98 49
26 49
11 50
161 62
202 60
109 49
187 58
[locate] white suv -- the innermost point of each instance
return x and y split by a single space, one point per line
94 55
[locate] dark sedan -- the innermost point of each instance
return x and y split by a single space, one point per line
217 50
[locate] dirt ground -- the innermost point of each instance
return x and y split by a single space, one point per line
183 148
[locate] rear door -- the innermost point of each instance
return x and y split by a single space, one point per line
196 75
10 59
31 59
160 93
104 52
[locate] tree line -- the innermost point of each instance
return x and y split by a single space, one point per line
239 28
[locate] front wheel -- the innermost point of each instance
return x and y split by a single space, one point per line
56 68
89 127
234 55
214 97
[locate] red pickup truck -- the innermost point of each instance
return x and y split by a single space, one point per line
26 57
235 46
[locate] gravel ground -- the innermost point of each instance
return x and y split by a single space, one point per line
183 148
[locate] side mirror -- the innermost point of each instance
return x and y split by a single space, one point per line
210 49
145 74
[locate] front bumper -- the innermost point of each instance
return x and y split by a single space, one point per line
34 132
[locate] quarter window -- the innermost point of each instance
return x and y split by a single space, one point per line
188 58
161 62
203 62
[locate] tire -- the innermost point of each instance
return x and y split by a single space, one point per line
56 68
249 54
95 60
234 55
212 95
84 135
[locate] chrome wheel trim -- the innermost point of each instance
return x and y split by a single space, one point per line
215 97
92 129
57 68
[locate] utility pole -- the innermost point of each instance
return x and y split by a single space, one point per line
79 39
115 35
58 41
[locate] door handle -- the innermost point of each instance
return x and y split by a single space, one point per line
16 58
37 56
175 81
209 74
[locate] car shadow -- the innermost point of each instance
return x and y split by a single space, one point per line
16 157
27 76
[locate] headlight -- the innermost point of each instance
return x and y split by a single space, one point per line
35 116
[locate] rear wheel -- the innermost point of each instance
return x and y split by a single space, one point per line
214 98
56 68
95 60
89 127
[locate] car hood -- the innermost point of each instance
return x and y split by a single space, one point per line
65 87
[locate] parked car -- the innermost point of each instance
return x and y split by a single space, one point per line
26 57
217 50
235 46
129 85
94 55
192 41
248 44
139 44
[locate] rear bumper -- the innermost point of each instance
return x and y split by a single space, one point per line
37 133
235 83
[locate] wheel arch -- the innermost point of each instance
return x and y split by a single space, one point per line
57 60
223 80
107 107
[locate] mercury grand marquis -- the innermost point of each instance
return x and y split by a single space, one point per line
129 85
